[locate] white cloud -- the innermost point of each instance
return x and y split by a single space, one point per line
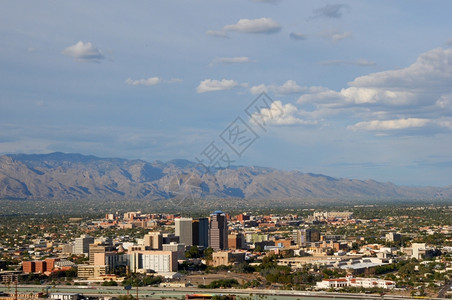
258 89
449 42
335 36
319 94
262 25
278 114
297 36
149 81
216 33
84 52
431 69
377 125
417 96
230 60
289 87
424 82
212 85
371 95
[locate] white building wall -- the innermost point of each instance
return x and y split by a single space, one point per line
158 263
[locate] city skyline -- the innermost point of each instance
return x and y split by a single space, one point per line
355 89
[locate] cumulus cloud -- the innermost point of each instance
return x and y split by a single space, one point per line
230 60
279 114
319 95
258 89
377 125
297 36
431 69
262 25
84 52
417 96
212 85
149 81
289 87
334 11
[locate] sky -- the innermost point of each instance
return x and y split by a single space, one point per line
349 89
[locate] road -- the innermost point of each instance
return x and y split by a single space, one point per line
158 293
444 289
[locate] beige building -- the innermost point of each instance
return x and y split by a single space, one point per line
153 240
89 271
227 258
95 249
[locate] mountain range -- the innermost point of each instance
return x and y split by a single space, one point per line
60 176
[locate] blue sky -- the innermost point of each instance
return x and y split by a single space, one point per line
356 89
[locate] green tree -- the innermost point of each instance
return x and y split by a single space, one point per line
193 252
109 283
208 253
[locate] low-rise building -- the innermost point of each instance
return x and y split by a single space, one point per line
90 271
227 258
65 296
355 282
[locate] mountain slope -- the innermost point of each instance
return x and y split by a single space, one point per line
75 176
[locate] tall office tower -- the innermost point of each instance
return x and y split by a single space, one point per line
195 232
218 231
81 245
204 232
184 230
153 240
200 230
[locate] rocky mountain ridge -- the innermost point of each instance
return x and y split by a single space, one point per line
61 176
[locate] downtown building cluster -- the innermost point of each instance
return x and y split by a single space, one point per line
157 252
158 244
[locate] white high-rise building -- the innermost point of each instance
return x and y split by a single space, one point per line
81 245
184 230
158 261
